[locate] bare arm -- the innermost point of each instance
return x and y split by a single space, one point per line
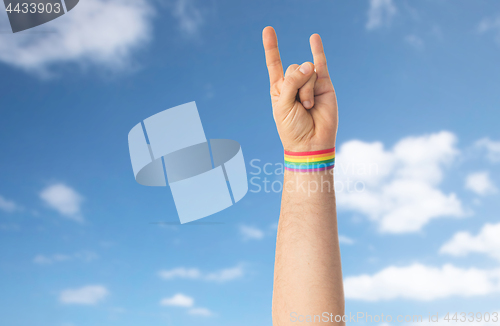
307 274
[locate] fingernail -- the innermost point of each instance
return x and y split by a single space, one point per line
306 104
305 68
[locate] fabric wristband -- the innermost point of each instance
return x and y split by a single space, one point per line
310 161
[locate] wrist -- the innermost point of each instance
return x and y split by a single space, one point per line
309 143
299 148
309 183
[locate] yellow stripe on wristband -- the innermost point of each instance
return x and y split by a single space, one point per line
308 158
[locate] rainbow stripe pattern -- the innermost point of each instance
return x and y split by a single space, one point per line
310 161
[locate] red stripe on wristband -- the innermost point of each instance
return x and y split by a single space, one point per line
324 151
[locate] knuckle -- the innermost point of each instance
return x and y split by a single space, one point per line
290 80
273 63
290 69
306 91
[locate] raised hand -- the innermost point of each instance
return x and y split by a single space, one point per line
304 101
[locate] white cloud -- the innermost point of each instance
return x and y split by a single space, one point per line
86 256
486 242
251 233
45 260
225 275
480 183
101 32
180 272
414 41
380 13
87 295
220 276
345 240
63 199
492 149
490 25
7 205
178 300
184 301
201 312
397 188
423 283
189 16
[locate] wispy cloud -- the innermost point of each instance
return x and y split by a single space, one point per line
397 188
65 200
491 147
201 312
415 42
480 183
380 13
8 206
97 32
422 283
86 256
189 16
87 295
9 227
181 272
490 25
46 260
183 301
223 275
345 240
178 300
251 233
487 242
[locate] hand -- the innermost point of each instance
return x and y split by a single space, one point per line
304 101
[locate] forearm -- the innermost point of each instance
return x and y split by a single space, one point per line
307 271
307 274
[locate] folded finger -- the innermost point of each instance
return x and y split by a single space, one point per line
290 69
294 81
306 92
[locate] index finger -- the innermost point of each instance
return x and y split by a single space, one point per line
319 56
273 60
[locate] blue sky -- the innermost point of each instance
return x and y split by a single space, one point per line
417 85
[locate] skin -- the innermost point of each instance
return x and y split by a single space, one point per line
307 273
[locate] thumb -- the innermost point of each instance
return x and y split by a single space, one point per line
293 82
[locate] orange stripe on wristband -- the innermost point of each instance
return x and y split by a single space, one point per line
324 151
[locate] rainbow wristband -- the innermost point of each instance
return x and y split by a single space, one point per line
310 161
